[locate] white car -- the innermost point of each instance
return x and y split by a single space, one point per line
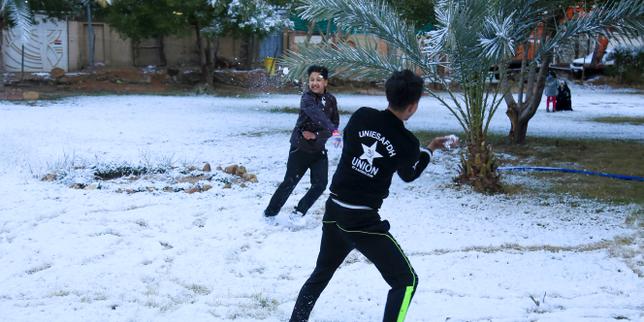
579 64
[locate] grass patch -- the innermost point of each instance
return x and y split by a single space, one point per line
620 120
296 110
601 155
113 172
257 134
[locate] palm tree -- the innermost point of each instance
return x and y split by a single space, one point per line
472 37
17 13
453 46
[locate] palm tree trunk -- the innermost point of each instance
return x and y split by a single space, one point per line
479 168
478 163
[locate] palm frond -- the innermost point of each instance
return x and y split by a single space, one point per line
455 44
360 61
501 44
20 16
506 27
441 37
375 17
457 34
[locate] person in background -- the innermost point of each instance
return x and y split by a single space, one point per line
551 90
318 121
563 97
376 146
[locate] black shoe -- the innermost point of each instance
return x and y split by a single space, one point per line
270 219
297 218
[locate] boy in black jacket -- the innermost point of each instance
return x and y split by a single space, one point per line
376 145
317 122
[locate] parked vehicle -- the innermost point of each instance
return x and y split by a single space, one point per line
583 64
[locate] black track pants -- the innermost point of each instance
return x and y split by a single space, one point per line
344 230
297 164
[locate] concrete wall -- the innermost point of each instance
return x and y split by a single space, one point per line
110 49
113 50
294 38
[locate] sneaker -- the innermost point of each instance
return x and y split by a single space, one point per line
270 219
296 218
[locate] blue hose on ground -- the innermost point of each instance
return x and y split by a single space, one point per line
592 173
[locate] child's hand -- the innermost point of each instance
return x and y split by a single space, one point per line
337 139
443 143
309 135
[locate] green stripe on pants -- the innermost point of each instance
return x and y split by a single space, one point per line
405 304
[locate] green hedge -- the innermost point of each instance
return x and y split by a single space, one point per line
629 65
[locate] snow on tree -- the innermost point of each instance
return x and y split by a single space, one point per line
248 16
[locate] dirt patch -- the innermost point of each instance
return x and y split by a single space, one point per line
126 178
161 81
127 80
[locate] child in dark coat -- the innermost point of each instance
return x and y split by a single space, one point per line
317 122
563 98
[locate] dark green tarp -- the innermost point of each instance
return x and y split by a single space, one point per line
303 25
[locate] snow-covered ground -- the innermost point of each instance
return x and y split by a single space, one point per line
102 255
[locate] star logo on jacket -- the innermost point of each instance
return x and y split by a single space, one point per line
370 153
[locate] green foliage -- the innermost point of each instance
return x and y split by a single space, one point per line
56 8
360 61
142 19
634 120
601 155
629 65
193 12
418 12
248 17
72 9
609 156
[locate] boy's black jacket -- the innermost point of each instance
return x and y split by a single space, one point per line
318 114
376 145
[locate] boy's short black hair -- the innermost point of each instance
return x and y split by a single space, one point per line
318 69
403 88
